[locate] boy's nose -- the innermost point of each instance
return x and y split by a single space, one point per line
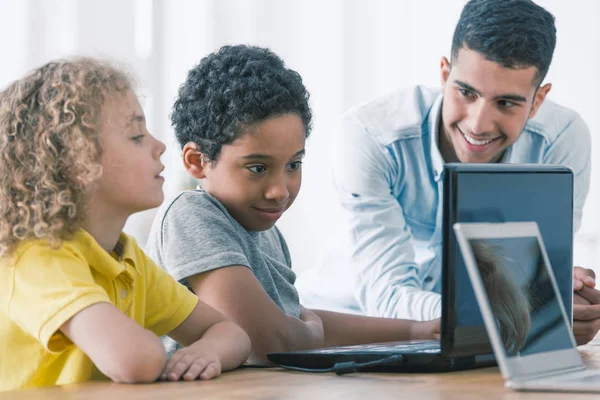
277 191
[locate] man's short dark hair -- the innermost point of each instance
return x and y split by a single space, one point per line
232 89
514 33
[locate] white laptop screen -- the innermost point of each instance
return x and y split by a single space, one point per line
521 295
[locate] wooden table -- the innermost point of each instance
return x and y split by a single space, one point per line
275 383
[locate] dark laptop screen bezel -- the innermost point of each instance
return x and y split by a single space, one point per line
459 341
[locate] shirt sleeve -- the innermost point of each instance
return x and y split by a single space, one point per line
572 148
168 302
382 255
48 287
197 236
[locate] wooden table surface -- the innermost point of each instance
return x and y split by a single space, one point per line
273 383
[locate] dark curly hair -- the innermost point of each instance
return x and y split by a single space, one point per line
234 88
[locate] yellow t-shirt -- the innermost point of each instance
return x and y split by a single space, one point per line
42 288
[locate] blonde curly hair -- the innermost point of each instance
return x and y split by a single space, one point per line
50 147
510 305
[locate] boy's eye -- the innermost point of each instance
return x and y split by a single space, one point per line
137 138
257 169
295 165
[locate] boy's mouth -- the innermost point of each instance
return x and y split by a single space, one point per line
271 213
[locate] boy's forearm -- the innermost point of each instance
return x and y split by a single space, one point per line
348 329
230 343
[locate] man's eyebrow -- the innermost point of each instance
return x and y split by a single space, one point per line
258 156
468 87
512 97
507 96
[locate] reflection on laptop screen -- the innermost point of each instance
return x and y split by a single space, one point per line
521 295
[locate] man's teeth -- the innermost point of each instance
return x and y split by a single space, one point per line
477 142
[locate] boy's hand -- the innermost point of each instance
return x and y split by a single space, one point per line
423 330
307 315
191 363
314 323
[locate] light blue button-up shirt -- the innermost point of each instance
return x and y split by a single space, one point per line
387 171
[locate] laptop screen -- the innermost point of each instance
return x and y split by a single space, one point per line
521 295
500 193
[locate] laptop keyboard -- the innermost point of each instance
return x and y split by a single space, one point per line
412 346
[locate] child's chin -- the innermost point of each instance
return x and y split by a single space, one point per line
262 227
151 205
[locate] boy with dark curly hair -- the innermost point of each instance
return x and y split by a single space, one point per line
79 300
242 119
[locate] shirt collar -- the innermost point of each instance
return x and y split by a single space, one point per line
435 115
109 265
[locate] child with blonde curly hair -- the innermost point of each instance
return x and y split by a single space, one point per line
79 299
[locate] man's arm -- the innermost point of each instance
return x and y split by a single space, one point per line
383 258
573 149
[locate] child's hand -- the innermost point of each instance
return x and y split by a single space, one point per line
191 363
423 330
307 315
315 325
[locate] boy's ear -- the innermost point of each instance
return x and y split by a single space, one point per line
193 161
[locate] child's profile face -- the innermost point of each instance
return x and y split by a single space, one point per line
258 176
130 160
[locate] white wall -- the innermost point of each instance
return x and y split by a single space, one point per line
347 52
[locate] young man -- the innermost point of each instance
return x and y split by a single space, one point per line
391 153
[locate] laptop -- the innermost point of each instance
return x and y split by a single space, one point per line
471 192
500 193
522 308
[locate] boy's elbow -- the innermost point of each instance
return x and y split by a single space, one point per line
143 365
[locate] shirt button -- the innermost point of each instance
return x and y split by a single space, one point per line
428 279
123 294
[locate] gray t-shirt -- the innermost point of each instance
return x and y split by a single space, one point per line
194 233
